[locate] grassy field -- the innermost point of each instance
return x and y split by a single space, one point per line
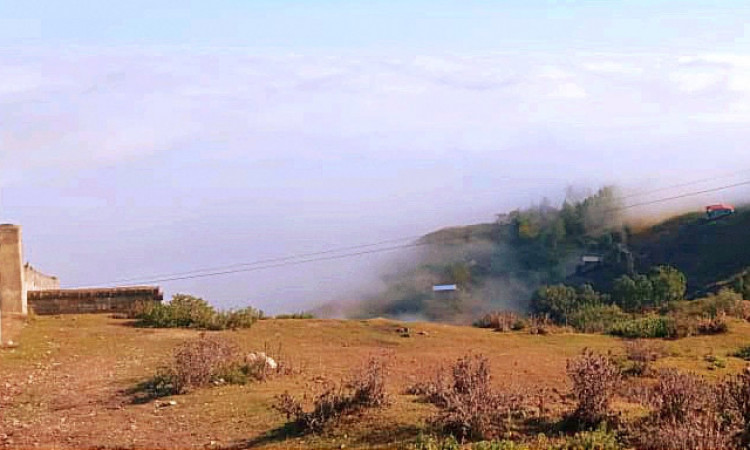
66 385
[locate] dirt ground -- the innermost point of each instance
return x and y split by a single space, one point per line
66 385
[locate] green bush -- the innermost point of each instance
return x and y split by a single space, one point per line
499 445
186 311
597 318
725 302
600 439
743 352
429 442
645 327
298 315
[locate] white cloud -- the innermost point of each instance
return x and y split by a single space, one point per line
98 108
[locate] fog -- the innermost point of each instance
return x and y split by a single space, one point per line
136 162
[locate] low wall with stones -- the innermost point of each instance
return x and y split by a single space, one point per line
87 301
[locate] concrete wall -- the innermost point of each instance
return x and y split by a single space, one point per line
37 281
13 300
86 301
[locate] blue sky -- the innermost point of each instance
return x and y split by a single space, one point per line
153 137
458 25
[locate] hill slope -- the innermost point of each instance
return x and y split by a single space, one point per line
706 251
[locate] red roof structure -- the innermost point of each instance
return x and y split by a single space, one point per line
720 207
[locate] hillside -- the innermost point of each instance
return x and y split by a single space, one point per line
706 251
66 386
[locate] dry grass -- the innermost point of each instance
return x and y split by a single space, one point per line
65 383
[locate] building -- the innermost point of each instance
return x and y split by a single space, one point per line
22 287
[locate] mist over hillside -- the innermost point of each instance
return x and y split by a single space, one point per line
500 264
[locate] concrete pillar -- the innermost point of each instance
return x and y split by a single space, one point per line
13 300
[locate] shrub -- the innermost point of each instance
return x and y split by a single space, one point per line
645 327
596 318
595 378
725 302
501 321
499 445
743 352
199 362
736 402
686 414
714 362
541 324
365 389
429 442
185 311
469 407
599 439
641 353
560 301
712 325
208 360
298 315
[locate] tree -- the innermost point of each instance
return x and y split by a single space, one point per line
633 294
558 301
668 283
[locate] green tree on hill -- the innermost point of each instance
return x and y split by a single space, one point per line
662 285
561 301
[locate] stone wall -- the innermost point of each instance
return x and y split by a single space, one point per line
37 281
86 301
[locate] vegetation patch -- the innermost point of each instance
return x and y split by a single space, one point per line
186 311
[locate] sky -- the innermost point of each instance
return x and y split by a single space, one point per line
153 137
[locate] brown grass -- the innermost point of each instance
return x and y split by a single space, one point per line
64 385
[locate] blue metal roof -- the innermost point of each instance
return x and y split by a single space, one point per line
444 287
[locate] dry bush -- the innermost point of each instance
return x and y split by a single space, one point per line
364 389
595 380
501 321
208 360
541 324
432 391
687 413
469 407
197 362
641 353
736 402
368 385
712 325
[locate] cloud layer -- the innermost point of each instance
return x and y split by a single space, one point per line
313 150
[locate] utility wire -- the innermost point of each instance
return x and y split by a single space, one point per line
685 184
283 264
312 257
675 197
271 260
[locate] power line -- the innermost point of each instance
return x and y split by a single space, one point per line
297 259
270 260
283 264
685 184
676 197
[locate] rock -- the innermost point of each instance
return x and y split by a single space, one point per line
260 358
